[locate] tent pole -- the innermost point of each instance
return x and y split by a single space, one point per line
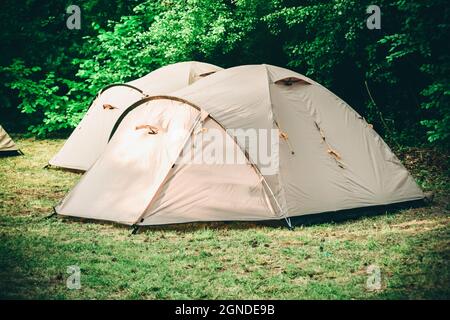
289 223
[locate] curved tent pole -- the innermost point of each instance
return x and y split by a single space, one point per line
116 85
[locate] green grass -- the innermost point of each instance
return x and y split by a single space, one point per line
208 261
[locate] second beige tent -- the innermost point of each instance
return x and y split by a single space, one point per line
89 139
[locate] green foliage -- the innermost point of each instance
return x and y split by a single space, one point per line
58 101
438 94
402 69
322 34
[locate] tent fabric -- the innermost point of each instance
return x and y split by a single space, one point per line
198 190
88 140
330 159
312 180
6 143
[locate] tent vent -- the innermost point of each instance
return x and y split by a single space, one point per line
291 80
108 106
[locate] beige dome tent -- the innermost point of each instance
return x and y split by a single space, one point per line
329 158
7 145
90 137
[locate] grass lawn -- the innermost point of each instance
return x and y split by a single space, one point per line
215 260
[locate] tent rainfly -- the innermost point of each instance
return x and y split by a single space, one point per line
90 137
7 145
330 158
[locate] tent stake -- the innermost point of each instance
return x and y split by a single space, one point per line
52 214
135 229
289 224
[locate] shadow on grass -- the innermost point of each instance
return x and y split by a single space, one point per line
355 214
423 271
16 276
13 153
306 220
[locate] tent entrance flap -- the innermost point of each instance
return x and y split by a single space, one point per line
205 187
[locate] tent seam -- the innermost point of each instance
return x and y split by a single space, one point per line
280 181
